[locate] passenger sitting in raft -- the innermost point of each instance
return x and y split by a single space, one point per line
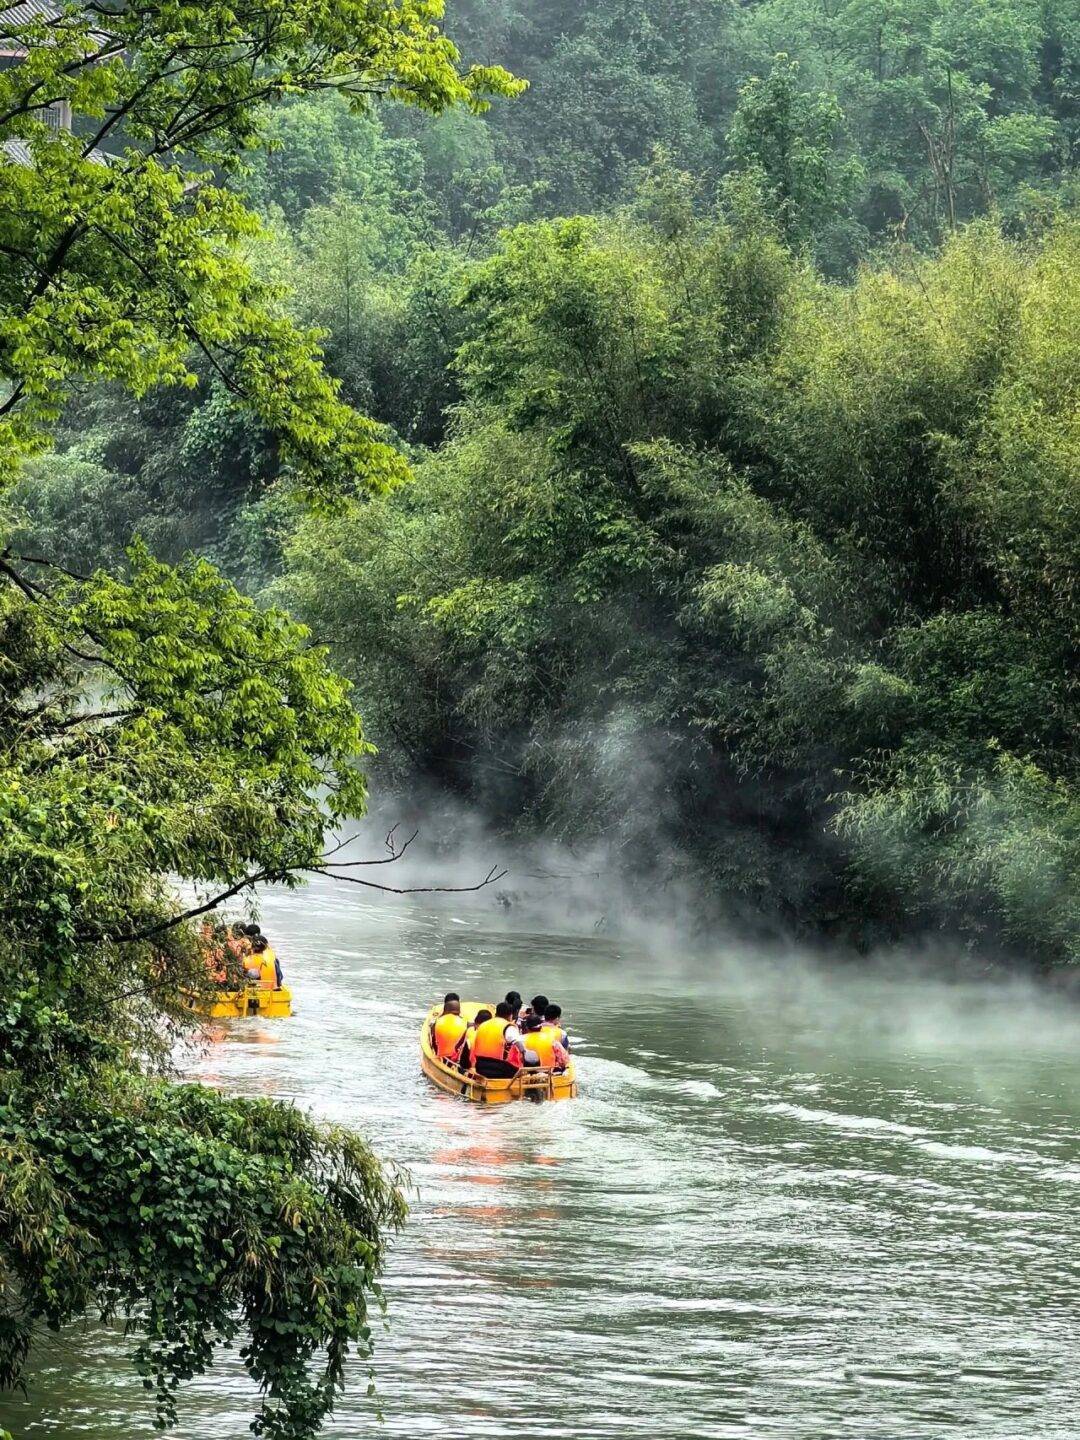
532 1017
448 1031
497 1049
263 969
252 964
257 958
239 942
465 1054
450 999
550 1040
528 1019
553 1016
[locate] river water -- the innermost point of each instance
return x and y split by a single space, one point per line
786 1203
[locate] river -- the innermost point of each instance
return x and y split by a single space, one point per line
787 1203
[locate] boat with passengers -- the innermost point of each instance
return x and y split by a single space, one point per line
528 1083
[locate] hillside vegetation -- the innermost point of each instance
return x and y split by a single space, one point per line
736 564
736 365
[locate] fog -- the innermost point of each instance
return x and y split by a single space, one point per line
934 998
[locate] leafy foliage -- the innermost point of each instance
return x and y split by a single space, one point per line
117 255
847 126
218 748
204 1216
786 142
950 107
725 559
155 725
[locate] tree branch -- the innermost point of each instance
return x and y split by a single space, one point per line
16 579
395 854
493 875
49 564
162 925
74 720
263 876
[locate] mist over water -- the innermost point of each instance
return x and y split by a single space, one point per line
793 1200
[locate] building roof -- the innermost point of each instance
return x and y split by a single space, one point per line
13 19
27 10
17 151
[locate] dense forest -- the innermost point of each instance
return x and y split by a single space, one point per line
734 362
680 452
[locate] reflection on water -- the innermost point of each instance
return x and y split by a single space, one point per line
784 1205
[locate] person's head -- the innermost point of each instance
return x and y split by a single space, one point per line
513 999
252 931
538 1004
259 944
239 929
504 1010
450 995
553 1014
451 1005
481 1016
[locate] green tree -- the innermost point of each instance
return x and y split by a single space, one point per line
116 269
155 723
952 108
786 142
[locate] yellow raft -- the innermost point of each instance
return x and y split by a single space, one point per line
234 1004
483 1089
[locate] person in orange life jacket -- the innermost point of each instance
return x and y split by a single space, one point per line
268 974
551 1042
252 963
532 1017
260 958
448 1031
279 974
513 999
465 1053
497 1049
528 1056
254 933
447 999
553 1016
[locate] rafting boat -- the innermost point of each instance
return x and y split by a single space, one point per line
527 1084
235 1004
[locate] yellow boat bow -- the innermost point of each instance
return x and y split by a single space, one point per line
235 1004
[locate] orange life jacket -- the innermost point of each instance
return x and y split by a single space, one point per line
267 969
490 1043
449 1031
543 1041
